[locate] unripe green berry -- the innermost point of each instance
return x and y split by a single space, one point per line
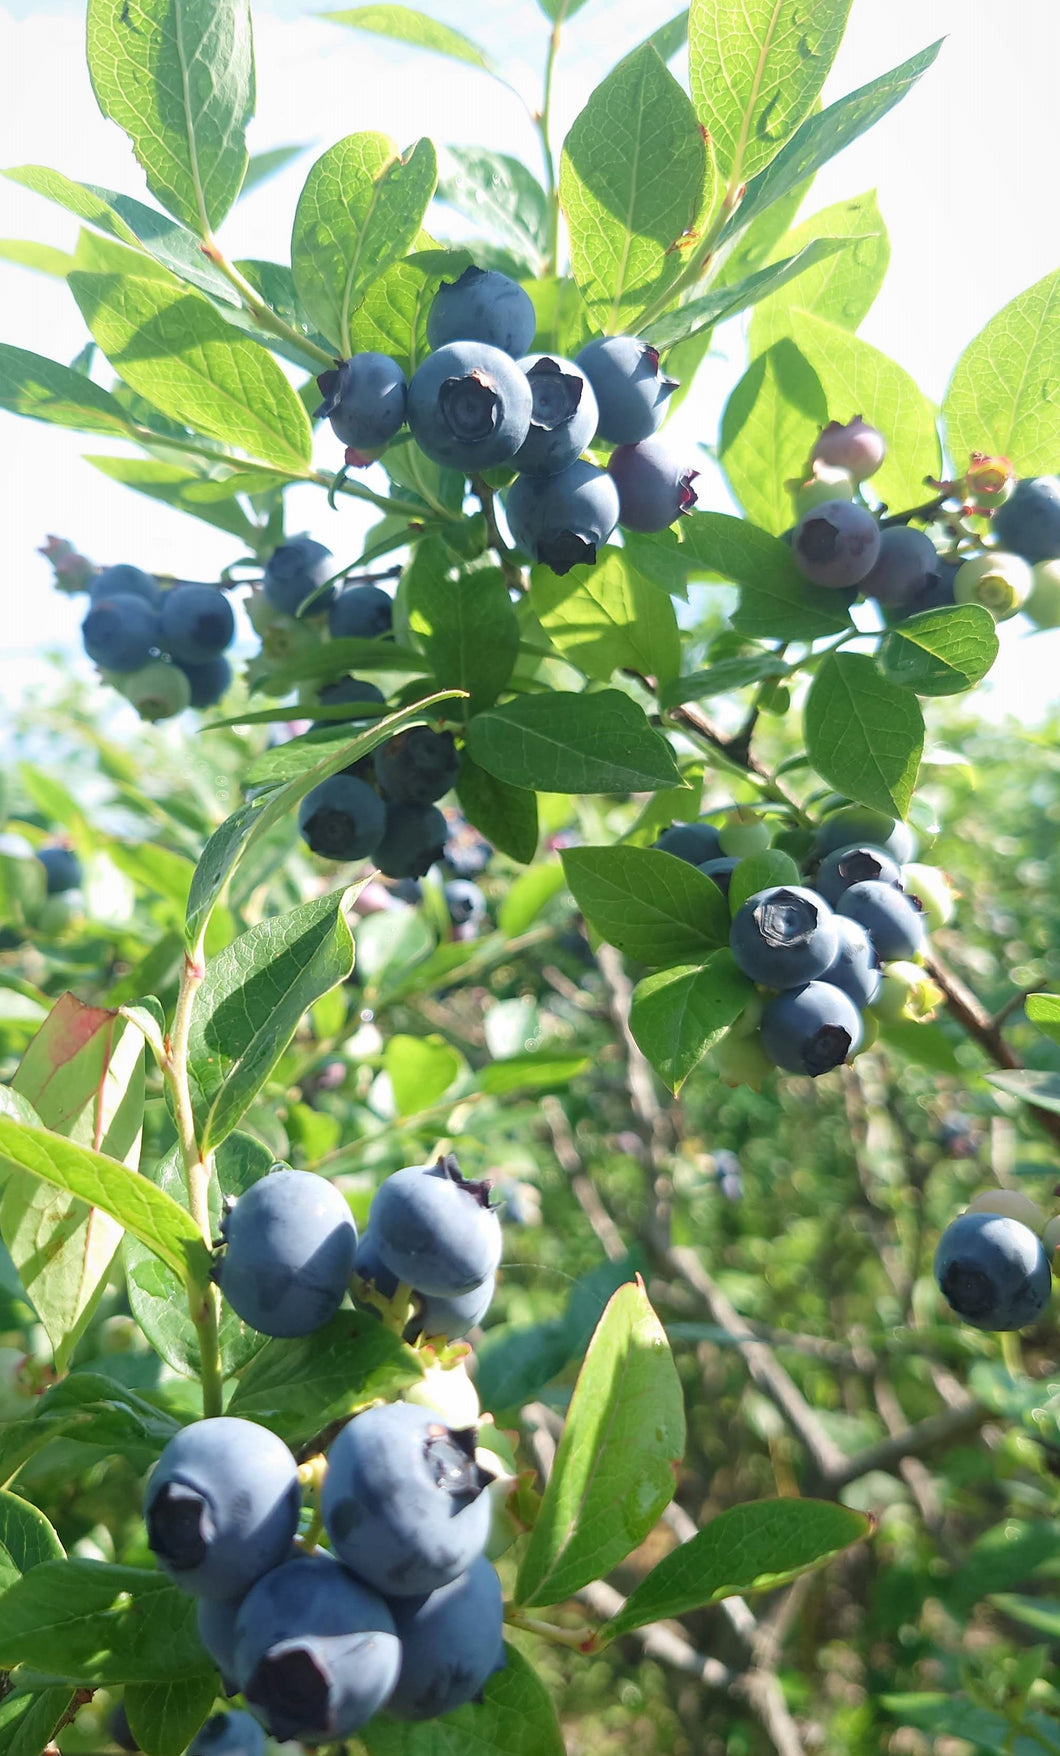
449 1392
741 1060
57 913
742 835
1051 1236
1043 605
933 891
907 994
1013 1204
825 483
157 690
870 1030
1000 582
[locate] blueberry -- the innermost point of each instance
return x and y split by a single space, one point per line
158 690
364 399
823 483
1028 523
811 1029
435 1229
348 692
563 418
784 937
295 572
632 393
836 544
126 581
361 612
197 623
1000 582
482 306
562 520
342 819
404 1501
413 839
434 1315
854 446
854 865
654 486
209 681
469 406
290 1247
452 1641
216 1622
464 901
904 568
119 1730
1043 605
721 870
890 918
417 767
695 842
993 1271
222 1506
228 1734
62 869
316 1651
120 632
856 966
859 823
467 856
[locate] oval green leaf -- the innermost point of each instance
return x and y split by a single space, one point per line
864 734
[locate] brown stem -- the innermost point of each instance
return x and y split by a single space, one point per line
983 1028
584 1193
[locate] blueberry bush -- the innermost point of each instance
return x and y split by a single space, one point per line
491 1109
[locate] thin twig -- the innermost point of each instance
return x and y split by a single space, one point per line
582 1189
944 1428
984 1029
655 1123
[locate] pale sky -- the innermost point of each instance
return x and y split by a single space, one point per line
966 169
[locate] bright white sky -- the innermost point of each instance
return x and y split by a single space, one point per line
966 169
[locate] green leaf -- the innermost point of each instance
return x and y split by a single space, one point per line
756 67
362 205
864 734
164 241
614 1471
635 178
1044 1011
1041 1614
44 390
724 677
671 36
393 318
299 1388
822 135
28 1721
515 1718
505 815
858 380
561 742
608 619
92 1410
421 1070
250 1004
26 1539
757 1547
940 652
180 80
156 1297
499 193
727 301
403 25
27 253
164 1717
776 602
1034 1087
172 484
768 429
136 1204
466 622
678 1014
528 894
648 904
92 1623
843 283
537 1071
263 165
1004 396
759 871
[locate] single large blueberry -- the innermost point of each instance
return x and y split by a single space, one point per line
451 1644
856 864
342 819
418 766
562 520
836 544
126 581
993 1271
469 406
413 839
904 568
465 902
435 1229
694 842
564 416
855 967
348 692
120 632
811 1029
632 392
485 306
654 485
290 1242
209 681
295 572
197 623
364 399
1028 523
62 869
216 1623
890 918
361 612
784 936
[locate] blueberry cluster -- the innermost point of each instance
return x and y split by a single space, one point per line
403 1610
991 1264
831 952
481 400
162 649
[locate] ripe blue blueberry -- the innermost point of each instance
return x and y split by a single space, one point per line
856 966
853 446
784 937
209 681
904 569
348 692
993 1271
364 399
222 1506
464 901
654 486
404 1501
290 1243
342 819
451 1644
836 544
890 918
418 766
694 842
811 1029
119 1730
632 392
126 581
563 419
316 1651
485 306
295 572
216 1622
854 865
434 1315
469 406
721 870
562 520
413 839
435 1229
228 1734
62 869
120 632
197 623
361 612
1028 524
853 824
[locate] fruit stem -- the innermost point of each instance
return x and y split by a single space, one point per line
262 314
1012 1353
542 122
581 1639
513 575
